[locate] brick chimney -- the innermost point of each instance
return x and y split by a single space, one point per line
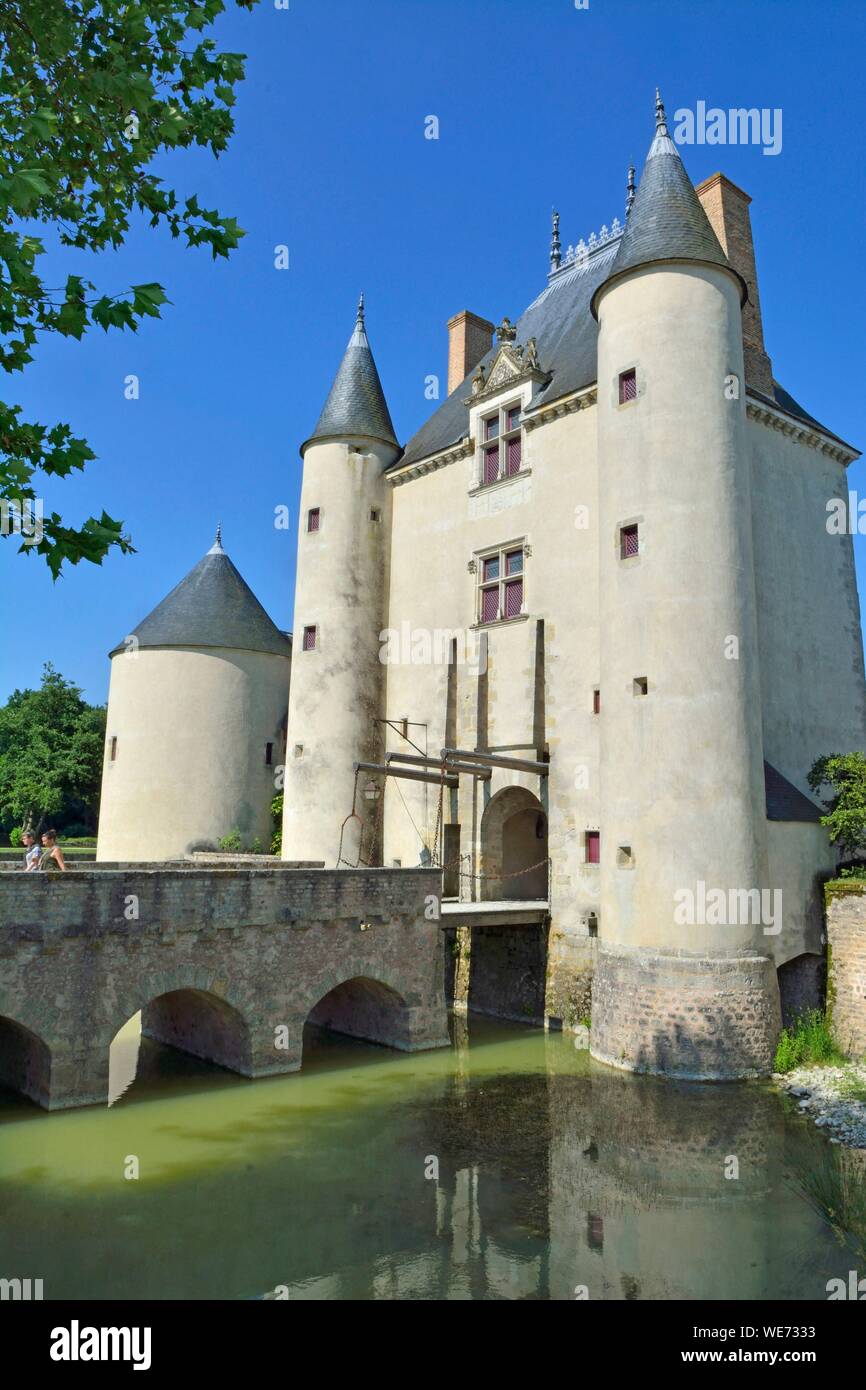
727 207
469 337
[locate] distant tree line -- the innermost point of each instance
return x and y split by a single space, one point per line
51 750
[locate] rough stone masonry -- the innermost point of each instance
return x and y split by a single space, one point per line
225 963
846 954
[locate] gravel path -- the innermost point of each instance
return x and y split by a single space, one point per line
835 1097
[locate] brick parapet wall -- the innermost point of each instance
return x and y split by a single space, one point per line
846 972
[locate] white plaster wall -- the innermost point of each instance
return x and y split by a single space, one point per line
436 515
801 858
681 769
191 727
337 689
813 690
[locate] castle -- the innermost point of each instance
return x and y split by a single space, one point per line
579 642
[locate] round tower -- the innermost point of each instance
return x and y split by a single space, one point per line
685 983
337 679
196 721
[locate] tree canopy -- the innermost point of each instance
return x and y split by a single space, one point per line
51 749
90 92
845 820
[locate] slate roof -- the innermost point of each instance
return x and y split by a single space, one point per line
785 801
356 403
212 607
666 222
567 340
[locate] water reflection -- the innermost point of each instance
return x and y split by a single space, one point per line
554 1175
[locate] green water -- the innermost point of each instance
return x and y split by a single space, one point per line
553 1173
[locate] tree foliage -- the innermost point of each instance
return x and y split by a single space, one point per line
845 820
90 92
51 750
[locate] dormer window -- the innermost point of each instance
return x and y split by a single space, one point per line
502 447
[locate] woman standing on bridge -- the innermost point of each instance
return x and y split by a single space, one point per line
51 860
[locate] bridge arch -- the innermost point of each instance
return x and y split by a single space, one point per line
25 1061
513 839
190 1017
363 1007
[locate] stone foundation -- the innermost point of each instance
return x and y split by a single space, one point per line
685 1016
570 970
846 949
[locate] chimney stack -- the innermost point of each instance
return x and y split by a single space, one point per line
469 338
727 208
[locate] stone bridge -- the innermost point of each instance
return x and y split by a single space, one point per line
225 963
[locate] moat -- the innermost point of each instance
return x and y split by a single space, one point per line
554 1173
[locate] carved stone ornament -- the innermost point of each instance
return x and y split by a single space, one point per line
511 365
472 567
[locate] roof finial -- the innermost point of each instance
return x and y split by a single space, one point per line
217 547
555 247
630 190
661 118
360 320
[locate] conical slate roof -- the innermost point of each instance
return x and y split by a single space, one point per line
666 221
356 404
212 607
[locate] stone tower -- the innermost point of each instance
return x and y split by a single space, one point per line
337 681
196 720
681 768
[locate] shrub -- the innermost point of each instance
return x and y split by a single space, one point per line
231 842
807 1043
277 813
15 835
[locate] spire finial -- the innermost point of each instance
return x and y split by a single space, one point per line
661 118
360 320
555 247
630 190
217 547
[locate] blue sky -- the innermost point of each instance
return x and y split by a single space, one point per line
539 103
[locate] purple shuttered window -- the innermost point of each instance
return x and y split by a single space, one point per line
627 387
514 417
593 847
513 597
491 427
628 542
514 562
491 464
309 639
313 517
491 568
490 605
512 456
